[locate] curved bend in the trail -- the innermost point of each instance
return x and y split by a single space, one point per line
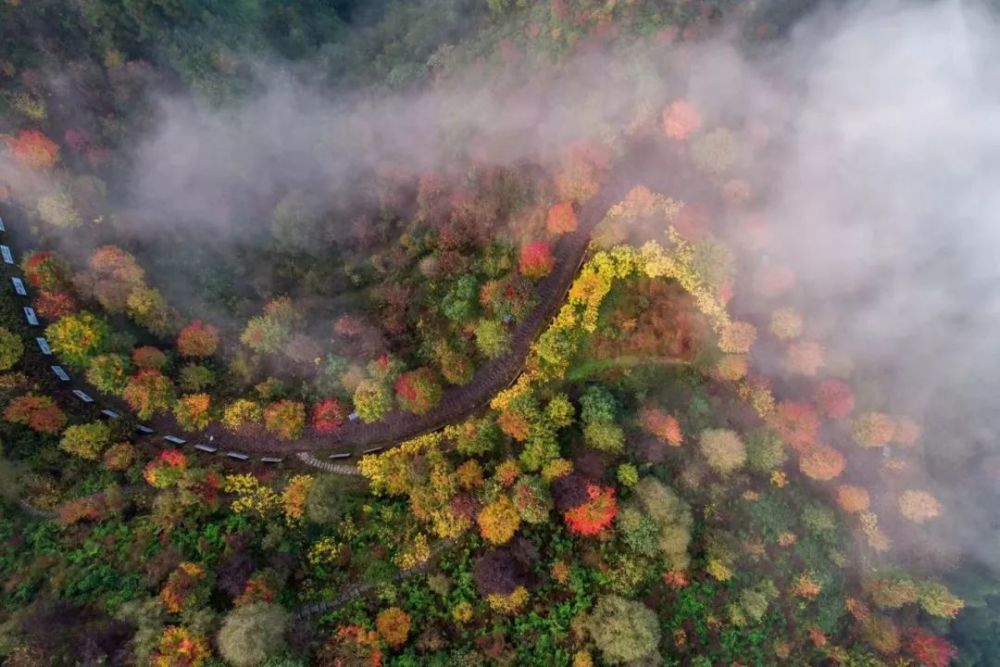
644 164
493 376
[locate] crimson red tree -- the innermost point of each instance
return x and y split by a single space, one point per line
328 415
536 260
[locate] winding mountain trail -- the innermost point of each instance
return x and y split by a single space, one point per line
644 162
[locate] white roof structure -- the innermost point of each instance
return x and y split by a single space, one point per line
142 428
19 286
107 412
173 439
341 455
43 345
239 456
29 315
8 256
208 449
61 373
3 228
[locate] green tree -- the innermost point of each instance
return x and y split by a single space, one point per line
253 633
597 404
109 372
195 377
296 223
461 302
78 338
492 338
329 498
605 436
87 441
672 518
372 400
625 631
11 348
765 451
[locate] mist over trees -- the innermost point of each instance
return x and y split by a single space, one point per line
562 332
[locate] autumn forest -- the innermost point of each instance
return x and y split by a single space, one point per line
498 332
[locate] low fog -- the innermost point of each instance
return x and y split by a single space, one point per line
879 184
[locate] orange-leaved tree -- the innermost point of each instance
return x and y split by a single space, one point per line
198 339
39 413
32 148
561 218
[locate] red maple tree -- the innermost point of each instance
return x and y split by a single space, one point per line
536 260
595 514
328 415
